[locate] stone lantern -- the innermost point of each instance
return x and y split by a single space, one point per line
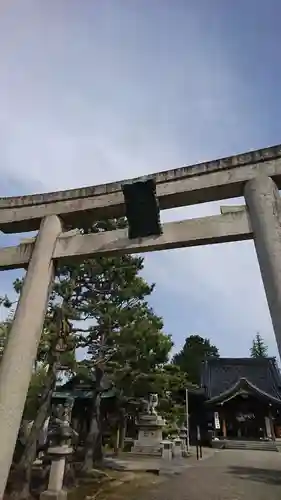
59 449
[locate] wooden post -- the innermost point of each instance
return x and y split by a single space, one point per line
116 441
271 425
224 431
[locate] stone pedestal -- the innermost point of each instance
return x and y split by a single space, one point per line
167 450
53 495
177 448
150 437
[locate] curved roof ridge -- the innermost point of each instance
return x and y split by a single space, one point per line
239 385
227 392
264 393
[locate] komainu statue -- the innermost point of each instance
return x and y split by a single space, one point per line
152 404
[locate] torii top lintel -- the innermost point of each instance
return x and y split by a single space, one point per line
214 180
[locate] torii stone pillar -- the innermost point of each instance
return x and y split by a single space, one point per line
17 362
264 206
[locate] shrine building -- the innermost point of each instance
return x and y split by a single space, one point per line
242 398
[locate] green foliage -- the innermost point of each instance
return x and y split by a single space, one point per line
120 330
172 396
5 302
195 350
140 348
259 349
37 383
4 332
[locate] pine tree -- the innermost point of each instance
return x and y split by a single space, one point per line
124 338
195 350
259 349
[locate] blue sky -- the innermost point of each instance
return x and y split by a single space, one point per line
96 91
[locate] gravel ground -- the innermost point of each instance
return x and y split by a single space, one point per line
226 475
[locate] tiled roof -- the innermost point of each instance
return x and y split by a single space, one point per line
220 374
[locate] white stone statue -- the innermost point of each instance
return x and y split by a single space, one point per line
152 404
150 425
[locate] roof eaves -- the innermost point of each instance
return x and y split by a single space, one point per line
237 388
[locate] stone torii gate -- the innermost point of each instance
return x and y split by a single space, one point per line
255 175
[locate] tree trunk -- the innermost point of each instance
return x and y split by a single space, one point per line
23 470
93 452
93 444
97 436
